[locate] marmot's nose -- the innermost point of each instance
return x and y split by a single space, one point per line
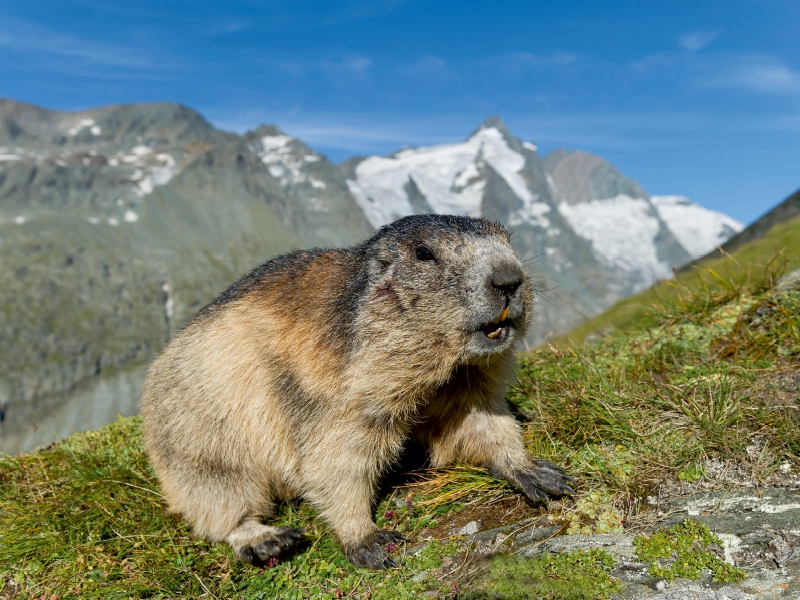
507 279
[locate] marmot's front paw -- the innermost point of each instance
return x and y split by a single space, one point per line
370 552
543 479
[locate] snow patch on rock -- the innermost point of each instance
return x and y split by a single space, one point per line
284 161
141 150
94 129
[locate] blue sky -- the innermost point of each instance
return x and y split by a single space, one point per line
693 98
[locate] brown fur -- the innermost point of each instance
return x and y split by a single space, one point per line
307 377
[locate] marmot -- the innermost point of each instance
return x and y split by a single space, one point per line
306 377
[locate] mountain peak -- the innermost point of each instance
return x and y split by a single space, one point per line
265 130
494 122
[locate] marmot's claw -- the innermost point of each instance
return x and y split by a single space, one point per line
370 552
280 539
539 483
535 494
390 562
546 464
290 535
366 558
389 536
371 557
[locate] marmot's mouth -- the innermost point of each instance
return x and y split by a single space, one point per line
497 329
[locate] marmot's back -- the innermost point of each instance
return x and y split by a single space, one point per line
307 376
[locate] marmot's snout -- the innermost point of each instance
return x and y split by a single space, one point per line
501 301
507 278
506 283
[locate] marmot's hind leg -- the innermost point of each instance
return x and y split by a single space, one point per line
220 510
255 542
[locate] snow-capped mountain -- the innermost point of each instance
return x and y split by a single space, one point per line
316 187
594 233
615 214
450 178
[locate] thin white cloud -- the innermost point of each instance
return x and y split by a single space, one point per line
431 68
360 137
519 62
755 73
348 134
375 133
236 26
354 65
384 133
305 15
760 74
697 40
429 63
342 13
609 130
23 36
276 14
787 123
657 60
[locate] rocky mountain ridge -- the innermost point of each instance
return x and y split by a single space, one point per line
116 226
118 223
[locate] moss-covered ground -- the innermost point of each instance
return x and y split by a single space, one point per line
684 550
703 384
577 575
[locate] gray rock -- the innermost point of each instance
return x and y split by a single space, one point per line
760 531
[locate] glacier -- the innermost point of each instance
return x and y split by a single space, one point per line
698 229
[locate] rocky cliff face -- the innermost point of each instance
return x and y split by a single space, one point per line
117 224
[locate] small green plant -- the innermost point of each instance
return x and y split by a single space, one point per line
578 575
594 513
692 473
684 551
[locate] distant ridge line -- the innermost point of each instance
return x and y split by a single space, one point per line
784 212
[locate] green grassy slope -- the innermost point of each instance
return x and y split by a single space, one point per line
710 387
781 245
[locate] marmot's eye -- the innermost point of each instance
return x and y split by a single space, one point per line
424 254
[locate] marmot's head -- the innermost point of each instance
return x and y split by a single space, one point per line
450 278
